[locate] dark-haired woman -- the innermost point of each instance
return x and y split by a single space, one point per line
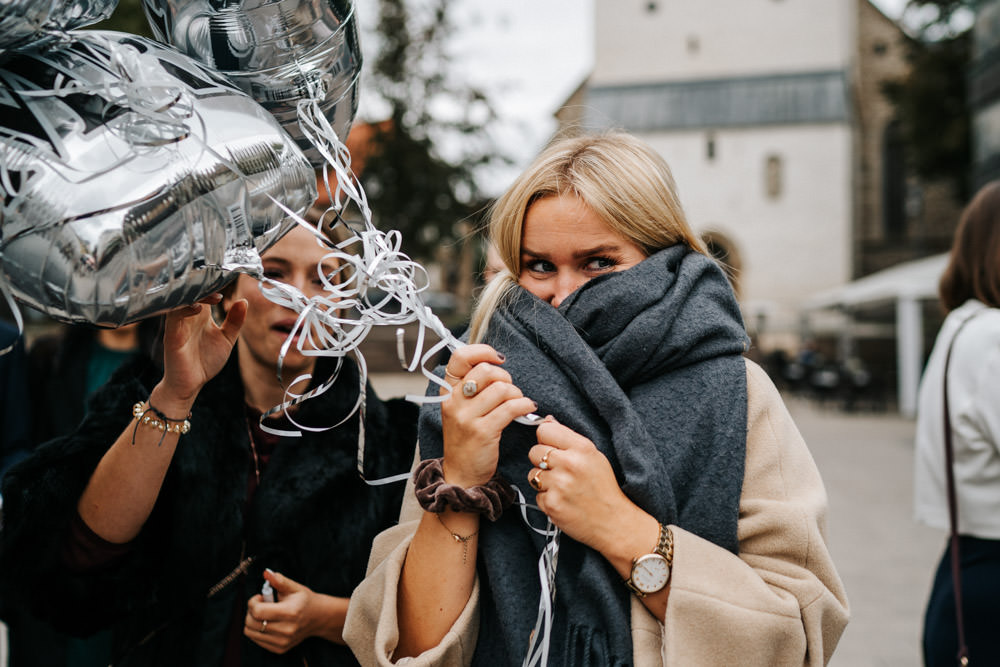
165 511
970 294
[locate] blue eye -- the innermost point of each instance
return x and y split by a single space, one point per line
539 266
601 264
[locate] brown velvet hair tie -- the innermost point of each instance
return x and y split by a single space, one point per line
436 495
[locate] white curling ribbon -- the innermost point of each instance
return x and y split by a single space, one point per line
162 109
541 634
357 298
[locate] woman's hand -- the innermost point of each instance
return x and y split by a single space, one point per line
577 489
298 614
195 348
472 424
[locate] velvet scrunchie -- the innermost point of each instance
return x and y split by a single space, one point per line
435 495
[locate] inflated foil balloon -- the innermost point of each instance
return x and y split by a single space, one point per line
133 179
26 22
280 52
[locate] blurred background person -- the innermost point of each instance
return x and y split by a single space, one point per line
970 294
64 369
494 263
14 401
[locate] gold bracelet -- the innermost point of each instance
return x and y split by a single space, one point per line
159 421
459 538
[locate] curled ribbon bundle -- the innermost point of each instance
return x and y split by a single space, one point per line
357 296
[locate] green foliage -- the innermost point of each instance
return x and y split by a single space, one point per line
420 174
932 103
937 19
127 17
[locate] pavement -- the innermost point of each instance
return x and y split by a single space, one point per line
884 557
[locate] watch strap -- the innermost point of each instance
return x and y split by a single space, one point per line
665 544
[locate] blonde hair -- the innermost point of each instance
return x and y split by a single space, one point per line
624 181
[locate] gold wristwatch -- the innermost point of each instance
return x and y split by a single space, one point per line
650 573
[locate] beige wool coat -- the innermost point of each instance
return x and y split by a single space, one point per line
778 603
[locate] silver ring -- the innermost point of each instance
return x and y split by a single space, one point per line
470 388
544 464
263 627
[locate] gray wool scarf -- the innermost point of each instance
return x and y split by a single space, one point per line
647 364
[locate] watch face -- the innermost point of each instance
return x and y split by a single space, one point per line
650 573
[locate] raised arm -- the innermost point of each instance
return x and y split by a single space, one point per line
440 567
123 489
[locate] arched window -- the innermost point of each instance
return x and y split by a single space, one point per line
773 176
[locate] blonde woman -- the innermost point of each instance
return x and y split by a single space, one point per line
692 512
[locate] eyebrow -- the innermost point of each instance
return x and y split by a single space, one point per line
587 252
283 263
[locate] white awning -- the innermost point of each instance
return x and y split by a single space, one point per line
904 286
910 280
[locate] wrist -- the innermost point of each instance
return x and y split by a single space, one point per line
457 478
328 622
169 403
631 538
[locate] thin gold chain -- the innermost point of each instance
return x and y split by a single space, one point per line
253 450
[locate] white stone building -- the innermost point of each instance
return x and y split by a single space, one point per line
771 117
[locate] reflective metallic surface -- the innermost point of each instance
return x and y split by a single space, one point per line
279 52
133 179
24 22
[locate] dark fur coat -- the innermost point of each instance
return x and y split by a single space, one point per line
312 519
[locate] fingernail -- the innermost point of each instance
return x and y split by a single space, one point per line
550 418
501 356
535 404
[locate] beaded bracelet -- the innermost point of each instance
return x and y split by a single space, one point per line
436 495
161 422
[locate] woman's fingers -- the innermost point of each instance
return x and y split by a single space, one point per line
552 433
464 359
544 457
234 320
263 626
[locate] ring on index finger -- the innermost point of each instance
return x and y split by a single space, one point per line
263 627
470 389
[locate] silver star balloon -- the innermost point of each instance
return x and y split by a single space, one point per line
134 180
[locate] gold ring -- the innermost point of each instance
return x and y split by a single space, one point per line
263 627
544 464
536 484
447 374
